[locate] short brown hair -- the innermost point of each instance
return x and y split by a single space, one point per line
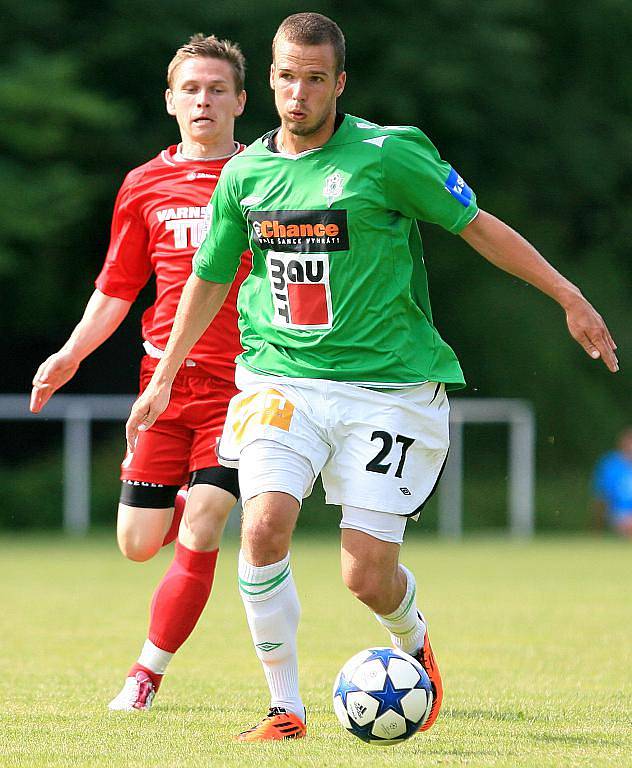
211 48
313 29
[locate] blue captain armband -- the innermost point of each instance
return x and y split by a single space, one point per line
457 187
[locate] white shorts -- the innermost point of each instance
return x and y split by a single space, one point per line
381 450
265 466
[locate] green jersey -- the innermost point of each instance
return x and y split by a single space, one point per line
338 288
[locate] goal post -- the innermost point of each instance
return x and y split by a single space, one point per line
519 416
77 412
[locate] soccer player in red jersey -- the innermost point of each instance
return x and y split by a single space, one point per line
159 221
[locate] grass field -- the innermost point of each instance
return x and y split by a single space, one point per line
534 642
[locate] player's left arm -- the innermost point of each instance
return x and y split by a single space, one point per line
507 250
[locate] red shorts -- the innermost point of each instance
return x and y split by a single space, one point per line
184 438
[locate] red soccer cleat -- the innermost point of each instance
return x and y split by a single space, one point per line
137 694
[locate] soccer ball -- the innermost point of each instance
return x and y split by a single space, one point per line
382 696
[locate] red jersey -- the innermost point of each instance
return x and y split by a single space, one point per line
158 223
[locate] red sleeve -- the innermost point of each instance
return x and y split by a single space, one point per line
127 264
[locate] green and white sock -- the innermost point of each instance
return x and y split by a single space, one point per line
406 624
273 611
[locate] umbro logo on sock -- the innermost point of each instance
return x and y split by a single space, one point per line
267 647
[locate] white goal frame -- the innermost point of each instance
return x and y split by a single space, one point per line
518 414
77 412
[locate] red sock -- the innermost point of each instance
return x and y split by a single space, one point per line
155 678
181 500
181 597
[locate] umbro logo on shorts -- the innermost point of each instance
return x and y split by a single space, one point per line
405 491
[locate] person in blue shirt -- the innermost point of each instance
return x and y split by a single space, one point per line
612 486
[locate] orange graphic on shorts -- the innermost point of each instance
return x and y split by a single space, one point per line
269 407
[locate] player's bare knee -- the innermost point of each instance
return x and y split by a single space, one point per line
140 531
267 526
137 549
201 534
204 522
135 544
205 516
262 542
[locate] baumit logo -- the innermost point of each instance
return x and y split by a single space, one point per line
300 231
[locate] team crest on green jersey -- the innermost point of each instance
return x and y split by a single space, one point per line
332 190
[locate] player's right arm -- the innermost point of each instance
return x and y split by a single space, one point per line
126 269
102 316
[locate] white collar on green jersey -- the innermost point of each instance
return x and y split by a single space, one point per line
349 130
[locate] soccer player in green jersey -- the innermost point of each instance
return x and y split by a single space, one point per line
343 372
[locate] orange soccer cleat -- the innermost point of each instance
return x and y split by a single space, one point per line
426 658
278 724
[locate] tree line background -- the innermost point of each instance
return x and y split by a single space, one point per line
530 100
